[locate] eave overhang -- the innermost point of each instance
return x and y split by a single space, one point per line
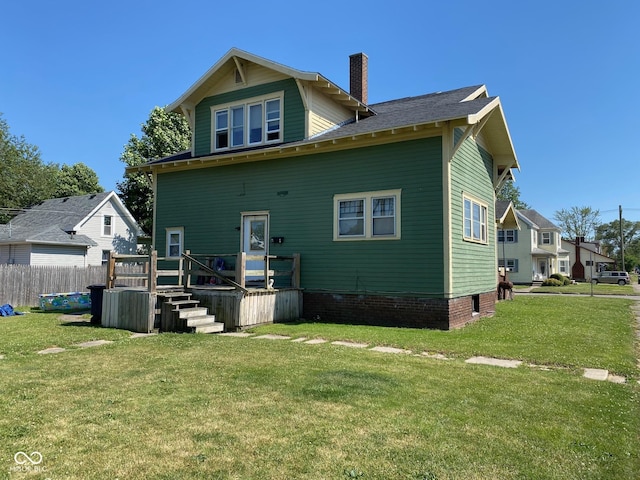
509 219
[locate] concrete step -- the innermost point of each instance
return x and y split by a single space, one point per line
191 312
202 320
214 327
183 303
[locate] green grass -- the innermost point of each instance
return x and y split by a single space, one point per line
197 406
548 330
588 289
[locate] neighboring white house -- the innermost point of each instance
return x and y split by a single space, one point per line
70 231
533 252
586 258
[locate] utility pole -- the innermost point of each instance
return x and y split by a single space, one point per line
621 237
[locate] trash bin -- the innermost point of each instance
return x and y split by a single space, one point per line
96 302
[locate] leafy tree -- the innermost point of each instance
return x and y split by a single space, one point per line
578 222
164 133
77 179
509 192
24 178
609 236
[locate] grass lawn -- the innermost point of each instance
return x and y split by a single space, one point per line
204 406
588 289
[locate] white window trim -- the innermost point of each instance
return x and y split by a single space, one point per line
104 216
246 103
368 215
169 232
484 227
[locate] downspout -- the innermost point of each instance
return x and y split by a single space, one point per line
447 148
154 189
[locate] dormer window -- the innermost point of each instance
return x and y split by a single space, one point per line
254 122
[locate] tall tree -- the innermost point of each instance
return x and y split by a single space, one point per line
164 133
609 236
578 222
24 178
77 179
509 192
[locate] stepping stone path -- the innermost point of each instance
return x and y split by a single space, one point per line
142 335
590 373
93 343
390 350
496 362
46 351
350 344
272 337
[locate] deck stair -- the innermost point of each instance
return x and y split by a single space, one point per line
179 313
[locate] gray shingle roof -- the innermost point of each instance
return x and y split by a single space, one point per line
534 217
52 221
404 112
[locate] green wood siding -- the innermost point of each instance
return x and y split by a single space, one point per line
293 111
208 203
474 265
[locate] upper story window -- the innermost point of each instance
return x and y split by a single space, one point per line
107 224
255 122
508 236
367 216
475 220
546 238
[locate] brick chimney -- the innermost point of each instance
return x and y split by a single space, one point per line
358 76
577 270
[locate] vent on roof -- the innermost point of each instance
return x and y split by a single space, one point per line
92 196
65 199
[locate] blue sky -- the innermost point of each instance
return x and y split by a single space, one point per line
77 78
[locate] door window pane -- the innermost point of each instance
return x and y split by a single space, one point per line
256 239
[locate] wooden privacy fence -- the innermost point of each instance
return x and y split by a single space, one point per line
20 285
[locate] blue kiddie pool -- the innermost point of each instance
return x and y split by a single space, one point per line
65 301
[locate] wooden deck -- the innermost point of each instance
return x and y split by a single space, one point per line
225 293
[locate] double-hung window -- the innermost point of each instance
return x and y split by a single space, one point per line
107 224
367 216
547 238
512 264
475 221
175 240
508 236
254 122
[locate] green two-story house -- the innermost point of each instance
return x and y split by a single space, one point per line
390 205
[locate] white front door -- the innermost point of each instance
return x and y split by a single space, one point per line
543 268
255 232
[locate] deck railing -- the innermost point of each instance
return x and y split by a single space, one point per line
191 270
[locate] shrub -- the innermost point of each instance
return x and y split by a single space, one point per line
552 282
561 278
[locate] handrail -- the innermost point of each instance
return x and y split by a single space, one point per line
183 272
210 270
